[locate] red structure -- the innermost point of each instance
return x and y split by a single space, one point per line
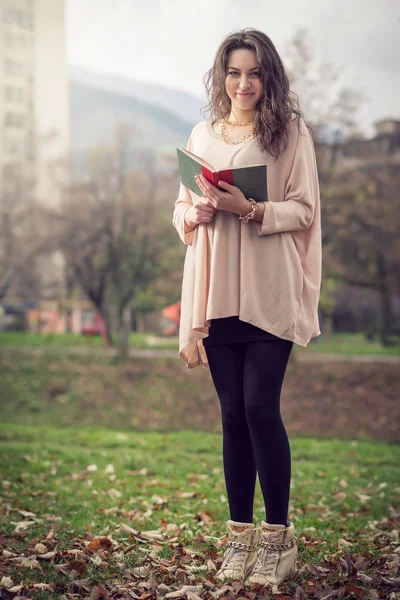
173 314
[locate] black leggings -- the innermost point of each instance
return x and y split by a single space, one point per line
248 378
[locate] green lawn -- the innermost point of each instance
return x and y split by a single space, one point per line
342 343
15 338
65 486
350 343
97 451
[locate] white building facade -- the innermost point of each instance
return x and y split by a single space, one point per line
34 103
34 89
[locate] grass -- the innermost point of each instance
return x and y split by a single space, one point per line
350 343
80 482
16 338
338 398
340 343
99 450
52 461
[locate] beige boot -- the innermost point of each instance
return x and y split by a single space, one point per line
276 555
241 552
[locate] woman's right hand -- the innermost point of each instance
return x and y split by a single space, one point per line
201 212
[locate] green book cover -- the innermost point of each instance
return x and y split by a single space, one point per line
251 180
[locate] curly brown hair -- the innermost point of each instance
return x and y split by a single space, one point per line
277 105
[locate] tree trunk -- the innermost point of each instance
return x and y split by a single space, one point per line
104 312
386 303
328 328
140 322
124 330
39 323
134 323
108 328
386 306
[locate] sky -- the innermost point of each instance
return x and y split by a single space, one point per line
173 42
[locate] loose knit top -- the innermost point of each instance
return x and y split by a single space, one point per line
268 273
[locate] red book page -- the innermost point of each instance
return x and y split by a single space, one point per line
215 177
209 175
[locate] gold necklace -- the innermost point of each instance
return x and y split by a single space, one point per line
236 124
237 141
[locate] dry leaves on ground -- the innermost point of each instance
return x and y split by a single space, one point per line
189 571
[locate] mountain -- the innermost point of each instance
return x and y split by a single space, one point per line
160 117
95 113
181 103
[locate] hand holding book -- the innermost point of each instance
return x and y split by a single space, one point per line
232 199
250 180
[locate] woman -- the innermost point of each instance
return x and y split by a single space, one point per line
251 284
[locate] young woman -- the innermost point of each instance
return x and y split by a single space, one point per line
251 285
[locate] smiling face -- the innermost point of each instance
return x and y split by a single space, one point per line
243 76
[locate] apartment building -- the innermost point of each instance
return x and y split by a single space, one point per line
34 146
34 91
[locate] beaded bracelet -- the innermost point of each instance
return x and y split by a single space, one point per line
250 215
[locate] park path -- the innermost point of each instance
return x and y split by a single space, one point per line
154 353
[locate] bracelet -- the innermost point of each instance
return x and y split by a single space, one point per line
250 215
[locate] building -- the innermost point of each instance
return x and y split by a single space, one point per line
34 108
34 88
380 150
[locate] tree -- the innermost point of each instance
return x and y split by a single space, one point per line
113 238
363 226
323 99
359 204
24 237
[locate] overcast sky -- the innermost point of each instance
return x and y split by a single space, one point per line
173 42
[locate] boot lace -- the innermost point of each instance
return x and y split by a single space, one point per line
266 561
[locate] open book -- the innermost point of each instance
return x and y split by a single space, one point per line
251 180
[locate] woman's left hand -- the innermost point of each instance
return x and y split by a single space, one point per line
232 199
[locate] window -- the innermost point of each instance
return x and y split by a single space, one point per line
14 120
14 68
9 40
14 94
20 18
9 66
17 41
12 147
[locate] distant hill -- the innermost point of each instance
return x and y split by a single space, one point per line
181 103
94 113
161 116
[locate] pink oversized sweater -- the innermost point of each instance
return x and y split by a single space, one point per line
269 273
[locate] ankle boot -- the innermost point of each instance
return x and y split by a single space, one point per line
276 555
241 552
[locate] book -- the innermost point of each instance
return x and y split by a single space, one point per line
251 180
